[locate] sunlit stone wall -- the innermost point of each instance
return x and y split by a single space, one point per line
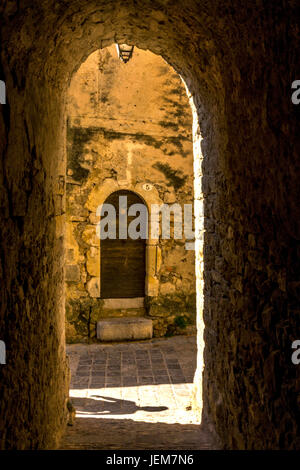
129 127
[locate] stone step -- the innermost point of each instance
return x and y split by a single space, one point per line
135 302
124 329
132 307
122 312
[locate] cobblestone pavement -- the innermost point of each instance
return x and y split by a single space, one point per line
134 396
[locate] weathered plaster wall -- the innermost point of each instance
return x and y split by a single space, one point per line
129 125
238 60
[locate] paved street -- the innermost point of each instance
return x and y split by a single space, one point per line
134 396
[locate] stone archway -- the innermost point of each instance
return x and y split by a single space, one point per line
247 240
149 194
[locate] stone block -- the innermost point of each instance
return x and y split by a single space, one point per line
122 329
135 302
93 287
72 273
93 262
90 237
167 288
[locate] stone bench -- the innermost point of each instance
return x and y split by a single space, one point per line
124 329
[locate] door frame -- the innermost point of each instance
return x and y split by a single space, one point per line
133 280
149 195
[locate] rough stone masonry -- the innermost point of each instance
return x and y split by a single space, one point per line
129 127
238 60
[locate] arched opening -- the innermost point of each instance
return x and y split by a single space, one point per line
129 127
130 152
123 260
247 242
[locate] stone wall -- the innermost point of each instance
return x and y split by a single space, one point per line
129 127
238 60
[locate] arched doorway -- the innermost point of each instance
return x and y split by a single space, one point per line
123 261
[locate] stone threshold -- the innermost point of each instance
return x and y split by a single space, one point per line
136 302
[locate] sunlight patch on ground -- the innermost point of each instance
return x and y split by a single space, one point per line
162 403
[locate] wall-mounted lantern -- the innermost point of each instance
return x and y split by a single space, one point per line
2 92
124 52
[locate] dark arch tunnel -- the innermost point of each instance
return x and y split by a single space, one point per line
238 60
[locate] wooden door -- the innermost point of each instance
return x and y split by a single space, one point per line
123 264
